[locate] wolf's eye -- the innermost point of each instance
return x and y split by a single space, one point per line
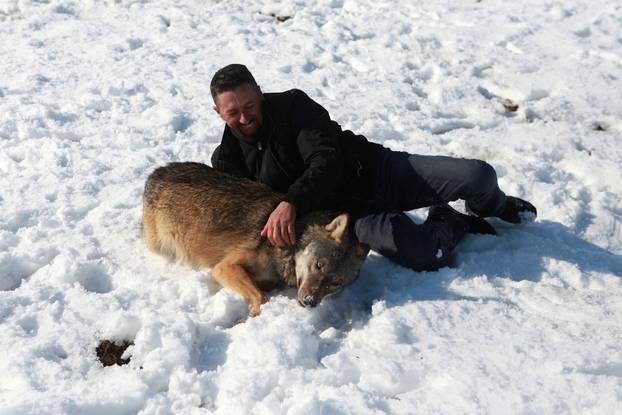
319 264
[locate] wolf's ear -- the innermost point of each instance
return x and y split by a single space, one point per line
338 227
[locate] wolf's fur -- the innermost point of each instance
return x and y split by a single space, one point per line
206 218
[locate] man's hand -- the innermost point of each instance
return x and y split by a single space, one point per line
280 226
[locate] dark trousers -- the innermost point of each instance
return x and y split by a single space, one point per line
407 181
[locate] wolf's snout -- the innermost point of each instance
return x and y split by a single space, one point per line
308 301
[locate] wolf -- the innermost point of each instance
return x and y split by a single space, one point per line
199 216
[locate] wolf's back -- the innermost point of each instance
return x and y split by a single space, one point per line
219 198
189 207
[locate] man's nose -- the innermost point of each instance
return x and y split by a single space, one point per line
243 118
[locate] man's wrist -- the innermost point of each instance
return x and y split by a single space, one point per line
296 200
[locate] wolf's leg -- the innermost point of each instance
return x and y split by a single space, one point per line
149 230
231 274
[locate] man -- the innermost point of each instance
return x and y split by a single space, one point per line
288 141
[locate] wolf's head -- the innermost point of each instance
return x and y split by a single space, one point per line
327 261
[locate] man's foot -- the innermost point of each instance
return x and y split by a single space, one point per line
518 211
474 224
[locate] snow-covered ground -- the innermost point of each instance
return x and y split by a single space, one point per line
96 94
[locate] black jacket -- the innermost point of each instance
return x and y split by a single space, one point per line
300 152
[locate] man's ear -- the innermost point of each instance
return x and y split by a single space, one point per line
215 108
260 92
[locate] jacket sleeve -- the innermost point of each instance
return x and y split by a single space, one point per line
227 157
318 143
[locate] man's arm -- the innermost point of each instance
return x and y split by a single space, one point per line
320 149
317 141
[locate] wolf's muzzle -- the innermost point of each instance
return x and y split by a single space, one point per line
308 301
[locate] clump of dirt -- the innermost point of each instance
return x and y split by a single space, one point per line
509 105
109 353
277 17
281 18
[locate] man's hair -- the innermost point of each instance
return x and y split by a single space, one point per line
230 77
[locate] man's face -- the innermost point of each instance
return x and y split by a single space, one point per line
240 108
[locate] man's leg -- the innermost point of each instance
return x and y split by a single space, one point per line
405 182
474 181
410 181
424 247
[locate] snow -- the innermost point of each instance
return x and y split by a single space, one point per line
95 94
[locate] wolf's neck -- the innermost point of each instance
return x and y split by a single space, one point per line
286 264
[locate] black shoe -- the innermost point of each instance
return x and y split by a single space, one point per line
474 224
518 211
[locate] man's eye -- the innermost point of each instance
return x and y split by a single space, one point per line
319 264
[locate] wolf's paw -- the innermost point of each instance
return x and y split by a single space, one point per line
254 310
254 307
